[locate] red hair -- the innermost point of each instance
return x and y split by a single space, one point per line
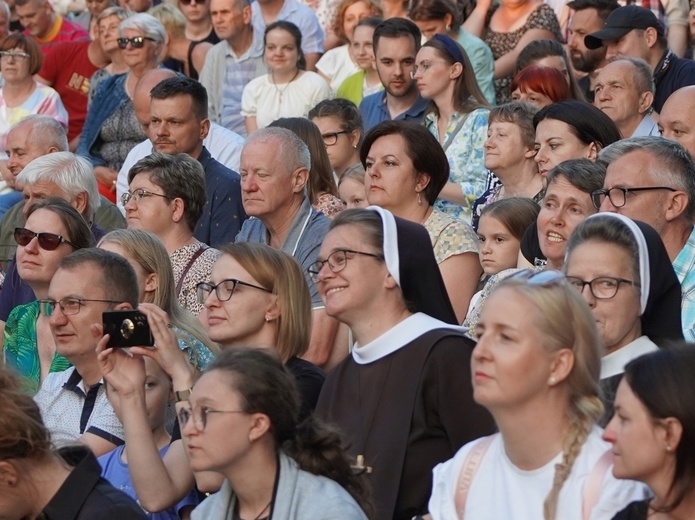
544 80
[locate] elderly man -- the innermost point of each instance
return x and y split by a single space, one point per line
625 91
73 403
652 179
677 118
59 174
634 31
48 28
273 191
232 63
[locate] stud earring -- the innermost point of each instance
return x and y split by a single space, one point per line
552 380
669 449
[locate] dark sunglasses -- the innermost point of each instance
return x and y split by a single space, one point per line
47 241
138 42
189 2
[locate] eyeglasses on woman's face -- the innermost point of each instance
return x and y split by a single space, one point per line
13 55
602 288
199 415
47 241
137 42
223 290
336 262
138 195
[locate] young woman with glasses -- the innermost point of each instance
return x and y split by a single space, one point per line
340 124
624 273
256 297
52 231
242 420
403 396
536 369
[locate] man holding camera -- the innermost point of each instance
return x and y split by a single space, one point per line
73 403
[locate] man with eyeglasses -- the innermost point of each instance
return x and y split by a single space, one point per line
396 44
73 403
48 28
652 179
275 167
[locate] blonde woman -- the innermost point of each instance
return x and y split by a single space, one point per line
536 369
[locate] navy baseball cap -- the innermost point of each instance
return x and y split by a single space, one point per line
622 21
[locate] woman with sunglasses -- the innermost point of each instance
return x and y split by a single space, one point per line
403 396
623 272
53 230
536 369
653 431
111 129
288 90
20 59
257 297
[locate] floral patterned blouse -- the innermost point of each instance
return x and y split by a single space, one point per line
543 17
466 160
449 236
329 205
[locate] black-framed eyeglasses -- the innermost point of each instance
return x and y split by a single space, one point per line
602 288
15 55
68 306
223 290
138 195
189 2
199 415
336 261
618 196
137 42
330 138
47 241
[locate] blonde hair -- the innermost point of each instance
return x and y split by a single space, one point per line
149 252
171 18
567 322
279 272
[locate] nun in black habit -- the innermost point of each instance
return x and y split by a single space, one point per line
656 293
404 395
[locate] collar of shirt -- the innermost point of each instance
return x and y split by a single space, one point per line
254 51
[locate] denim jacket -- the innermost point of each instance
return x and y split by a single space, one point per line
109 96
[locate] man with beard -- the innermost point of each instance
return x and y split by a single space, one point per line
589 16
396 43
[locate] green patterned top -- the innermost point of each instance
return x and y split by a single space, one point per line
21 349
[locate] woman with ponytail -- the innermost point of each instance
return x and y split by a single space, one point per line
536 369
242 421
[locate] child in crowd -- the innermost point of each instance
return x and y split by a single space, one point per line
366 81
351 187
158 394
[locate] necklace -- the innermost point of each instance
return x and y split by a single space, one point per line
286 86
263 510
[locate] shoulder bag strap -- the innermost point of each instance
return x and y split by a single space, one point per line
592 487
455 132
190 263
468 471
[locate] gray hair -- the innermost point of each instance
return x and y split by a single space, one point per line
643 76
293 153
46 131
115 10
145 23
71 173
672 165
6 8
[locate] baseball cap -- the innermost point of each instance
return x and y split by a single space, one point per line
622 21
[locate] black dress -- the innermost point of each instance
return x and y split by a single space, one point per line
634 511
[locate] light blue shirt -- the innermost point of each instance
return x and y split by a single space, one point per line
684 265
482 61
300 15
375 111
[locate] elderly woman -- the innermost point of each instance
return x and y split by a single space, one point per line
52 231
401 393
406 170
107 32
509 156
39 481
166 195
654 432
624 273
111 129
21 95
458 118
535 368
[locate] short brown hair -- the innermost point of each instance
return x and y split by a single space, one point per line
27 44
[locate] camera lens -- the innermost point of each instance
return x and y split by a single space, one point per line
127 328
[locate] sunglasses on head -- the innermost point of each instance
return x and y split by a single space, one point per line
138 42
47 241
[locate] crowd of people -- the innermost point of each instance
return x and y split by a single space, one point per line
355 259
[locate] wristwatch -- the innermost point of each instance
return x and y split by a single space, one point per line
182 395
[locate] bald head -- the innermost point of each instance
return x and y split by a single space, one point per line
677 118
141 94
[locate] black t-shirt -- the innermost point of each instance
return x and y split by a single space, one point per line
530 246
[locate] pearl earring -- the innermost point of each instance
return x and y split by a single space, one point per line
552 380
